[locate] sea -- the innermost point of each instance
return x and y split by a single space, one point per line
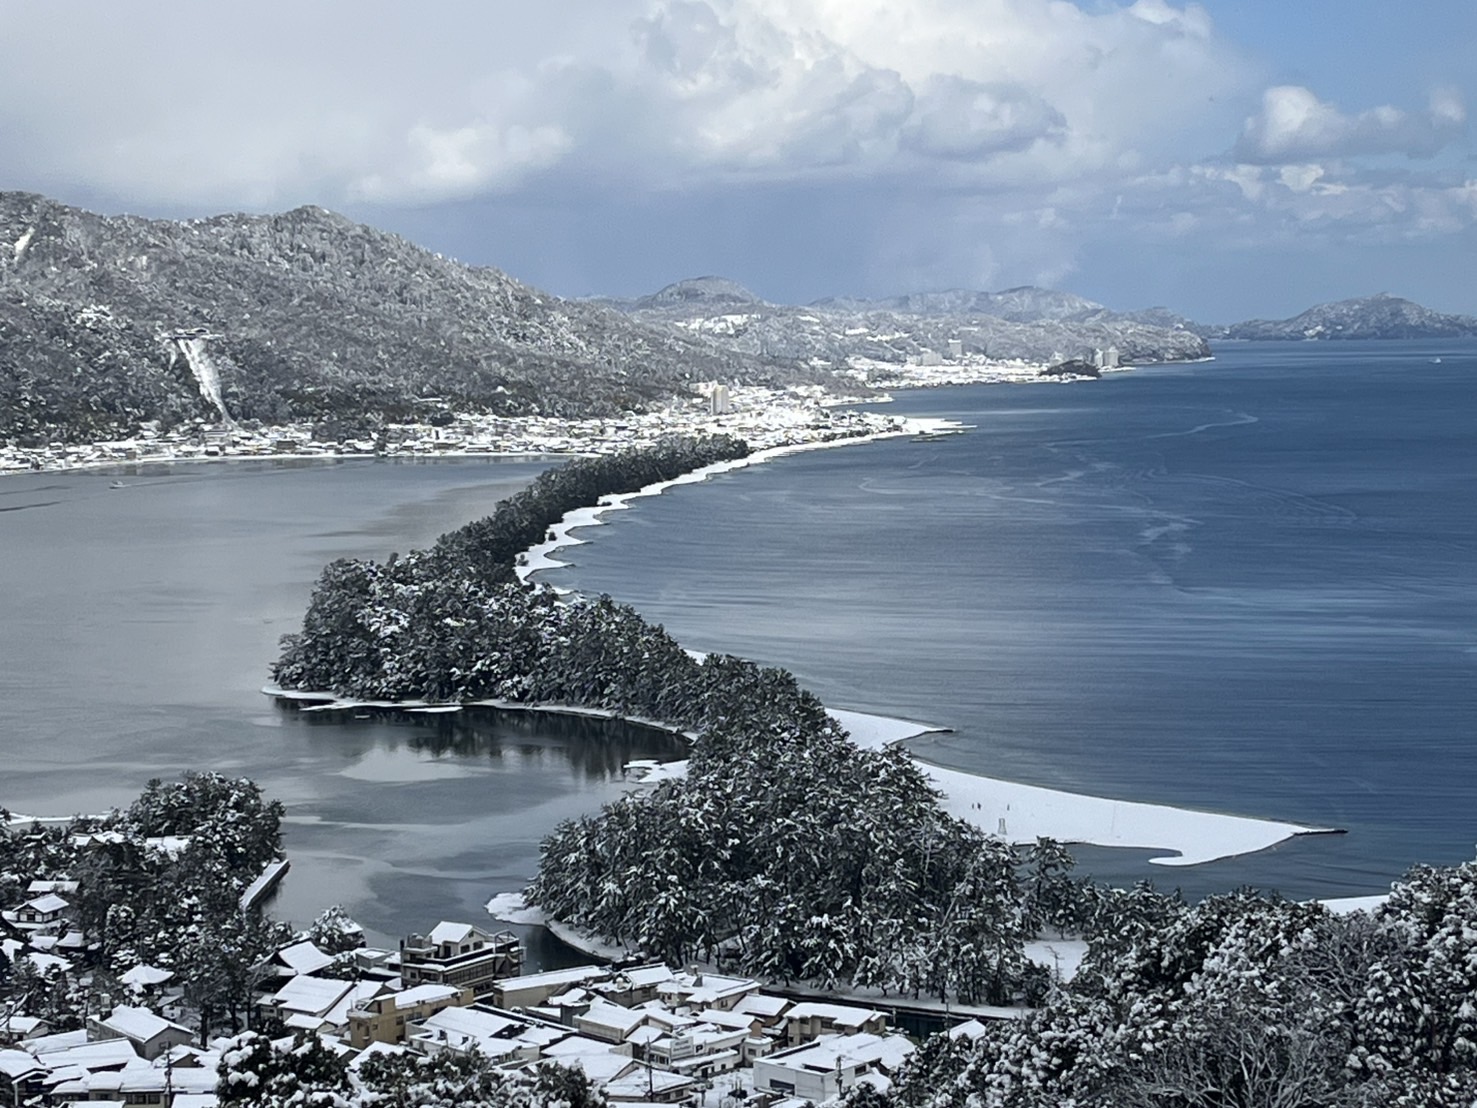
1246 585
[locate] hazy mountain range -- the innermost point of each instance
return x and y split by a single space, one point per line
1032 324
107 321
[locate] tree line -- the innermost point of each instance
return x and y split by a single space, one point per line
788 853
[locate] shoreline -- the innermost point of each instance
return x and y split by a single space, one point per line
1017 812
537 558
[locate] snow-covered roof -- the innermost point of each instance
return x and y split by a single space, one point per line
141 976
425 994
969 1029
576 1046
644 1036
448 932
47 904
306 993
613 1017
20 1026
18 1063
553 978
469 1021
140 1024
846 1015
48 962
640 1082
196 1100
605 1067
62 1040
304 957
762 1005
644 977
100 1055
53 886
832 1052
737 1021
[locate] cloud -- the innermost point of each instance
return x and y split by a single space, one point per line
1294 125
175 104
961 119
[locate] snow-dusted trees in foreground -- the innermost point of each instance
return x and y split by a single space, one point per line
1243 1002
158 883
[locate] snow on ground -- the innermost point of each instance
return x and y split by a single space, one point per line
874 732
1023 813
1062 956
1343 905
512 908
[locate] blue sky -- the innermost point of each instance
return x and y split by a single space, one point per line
1226 159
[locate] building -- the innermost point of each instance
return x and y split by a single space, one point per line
151 1035
956 349
39 912
810 1020
719 402
533 989
384 1019
460 955
830 1066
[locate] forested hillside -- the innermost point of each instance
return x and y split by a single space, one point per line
106 321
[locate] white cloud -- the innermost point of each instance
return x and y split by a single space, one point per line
1294 125
172 103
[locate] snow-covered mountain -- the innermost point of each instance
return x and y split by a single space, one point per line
1028 323
106 321
1367 317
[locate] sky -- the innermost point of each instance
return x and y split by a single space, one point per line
1228 159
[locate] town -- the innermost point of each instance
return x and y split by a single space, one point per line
764 417
641 1034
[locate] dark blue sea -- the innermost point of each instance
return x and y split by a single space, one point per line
1248 585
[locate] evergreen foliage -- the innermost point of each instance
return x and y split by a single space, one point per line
159 883
786 852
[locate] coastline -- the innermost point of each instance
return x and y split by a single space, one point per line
1017 812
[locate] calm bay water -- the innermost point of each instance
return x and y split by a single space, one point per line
1248 586
136 628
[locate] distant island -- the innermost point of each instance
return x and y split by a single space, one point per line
1368 317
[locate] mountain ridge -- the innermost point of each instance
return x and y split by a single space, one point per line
1380 316
301 314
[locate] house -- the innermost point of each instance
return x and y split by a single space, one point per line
810 1020
645 1085
20 1076
15 1027
533 989
311 1003
610 1023
39 911
460 955
298 958
151 1035
829 1066
384 1019
495 1035
635 985
699 989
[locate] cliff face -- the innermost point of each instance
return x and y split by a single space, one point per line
1366 317
106 321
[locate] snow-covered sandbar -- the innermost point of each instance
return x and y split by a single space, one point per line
1023 813
538 558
